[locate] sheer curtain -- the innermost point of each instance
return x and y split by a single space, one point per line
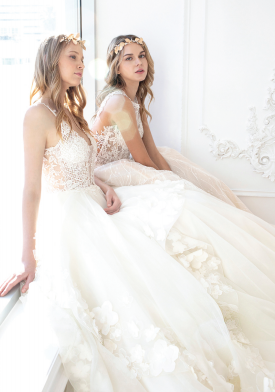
23 25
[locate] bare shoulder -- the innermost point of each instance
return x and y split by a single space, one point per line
38 119
118 102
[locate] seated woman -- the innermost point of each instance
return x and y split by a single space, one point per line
132 74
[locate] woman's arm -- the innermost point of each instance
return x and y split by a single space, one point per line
34 135
112 200
119 110
151 147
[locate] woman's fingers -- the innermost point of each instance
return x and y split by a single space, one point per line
30 278
114 209
4 284
10 283
109 199
113 203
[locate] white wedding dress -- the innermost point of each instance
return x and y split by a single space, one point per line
113 151
128 315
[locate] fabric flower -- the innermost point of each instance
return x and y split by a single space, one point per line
213 263
137 354
178 247
150 333
162 357
84 387
80 370
215 291
123 357
105 317
174 236
84 352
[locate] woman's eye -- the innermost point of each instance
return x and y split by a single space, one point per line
142 55
73 57
128 58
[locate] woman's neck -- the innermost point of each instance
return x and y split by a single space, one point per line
131 91
47 95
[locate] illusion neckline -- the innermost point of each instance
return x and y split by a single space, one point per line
71 129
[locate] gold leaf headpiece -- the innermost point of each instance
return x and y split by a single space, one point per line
121 45
73 38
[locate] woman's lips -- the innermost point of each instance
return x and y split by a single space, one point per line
140 71
78 74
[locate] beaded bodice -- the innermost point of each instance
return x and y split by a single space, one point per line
70 164
110 143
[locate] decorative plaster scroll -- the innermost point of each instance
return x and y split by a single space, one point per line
261 148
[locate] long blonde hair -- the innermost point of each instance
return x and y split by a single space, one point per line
115 81
47 76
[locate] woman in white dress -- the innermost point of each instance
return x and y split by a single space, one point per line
127 315
244 243
126 76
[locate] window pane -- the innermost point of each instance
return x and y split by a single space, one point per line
23 25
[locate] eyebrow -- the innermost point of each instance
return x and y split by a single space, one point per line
73 51
131 54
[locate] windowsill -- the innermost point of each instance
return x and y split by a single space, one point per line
30 359
8 302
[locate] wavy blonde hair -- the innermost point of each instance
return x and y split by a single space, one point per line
115 81
47 77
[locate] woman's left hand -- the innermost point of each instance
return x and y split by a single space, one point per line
113 202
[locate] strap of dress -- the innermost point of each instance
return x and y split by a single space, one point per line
53 111
103 103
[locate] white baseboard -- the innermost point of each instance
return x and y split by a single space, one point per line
243 192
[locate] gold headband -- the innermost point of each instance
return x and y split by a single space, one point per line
73 38
121 45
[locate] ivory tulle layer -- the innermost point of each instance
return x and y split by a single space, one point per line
128 172
129 316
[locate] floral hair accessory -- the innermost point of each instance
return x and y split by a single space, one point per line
121 45
75 38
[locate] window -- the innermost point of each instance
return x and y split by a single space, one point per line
24 24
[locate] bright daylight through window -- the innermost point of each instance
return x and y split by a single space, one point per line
23 25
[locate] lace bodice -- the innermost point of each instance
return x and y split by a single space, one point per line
110 142
70 164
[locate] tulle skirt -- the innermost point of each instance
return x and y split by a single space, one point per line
174 293
128 172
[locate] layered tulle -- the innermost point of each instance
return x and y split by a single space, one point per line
128 172
176 292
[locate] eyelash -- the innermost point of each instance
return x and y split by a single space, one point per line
142 55
74 57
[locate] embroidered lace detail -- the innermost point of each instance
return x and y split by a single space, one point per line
70 164
197 257
110 143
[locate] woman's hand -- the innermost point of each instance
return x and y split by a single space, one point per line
26 272
113 202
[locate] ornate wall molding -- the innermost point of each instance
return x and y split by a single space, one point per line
260 151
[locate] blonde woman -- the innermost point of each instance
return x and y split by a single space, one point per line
131 72
127 315
127 155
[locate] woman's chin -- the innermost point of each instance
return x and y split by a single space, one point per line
75 83
141 77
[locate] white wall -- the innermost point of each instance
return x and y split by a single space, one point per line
160 24
213 60
230 65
